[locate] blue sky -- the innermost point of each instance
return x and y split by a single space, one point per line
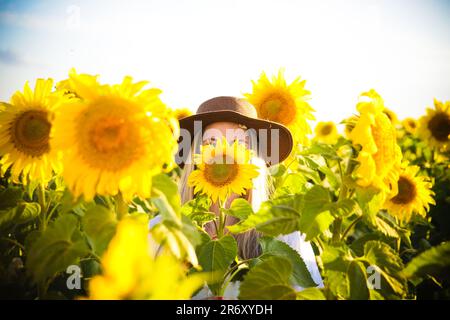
194 50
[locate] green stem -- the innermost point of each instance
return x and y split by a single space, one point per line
43 205
50 214
222 218
121 206
227 282
337 226
350 227
15 243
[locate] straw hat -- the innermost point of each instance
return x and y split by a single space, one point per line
232 109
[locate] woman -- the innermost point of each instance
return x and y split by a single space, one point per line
270 142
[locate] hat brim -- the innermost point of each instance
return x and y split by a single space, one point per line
285 141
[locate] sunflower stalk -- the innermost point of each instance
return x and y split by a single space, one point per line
121 206
222 218
343 194
43 205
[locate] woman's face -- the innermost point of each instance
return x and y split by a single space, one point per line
232 131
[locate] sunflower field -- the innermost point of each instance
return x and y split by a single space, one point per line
86 167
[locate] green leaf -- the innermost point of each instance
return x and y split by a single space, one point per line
430 262
169 188
166 210
23 213
293 183
331 176
10 197
202 217
26 212
343 208
311 294
69 204
99 224
357 281
385 228
336 261
198 204
370 201
271 220
216 256
268 280
198 210
61 245
277 170
308 168
387 262
191 231
180 239
31 187
316 217
300 275
240 208
321 149
382 255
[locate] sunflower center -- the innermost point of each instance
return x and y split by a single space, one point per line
273 107
30 132
406 191
412 124
439 126
221 173
326 130
110 135
278 108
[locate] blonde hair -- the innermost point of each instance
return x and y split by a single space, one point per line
248 246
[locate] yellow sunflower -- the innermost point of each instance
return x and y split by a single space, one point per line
326 132
85 81
414 195
410 125
349 125
223 169
182 113
434 127
25 126
286 104
380 156
391 115
130 270
116 138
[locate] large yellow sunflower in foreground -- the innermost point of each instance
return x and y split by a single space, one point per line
25 126
326 132
286 104
414 195
223 169
130 270
434 127
115 138
380 156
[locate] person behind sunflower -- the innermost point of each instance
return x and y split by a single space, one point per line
270 143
